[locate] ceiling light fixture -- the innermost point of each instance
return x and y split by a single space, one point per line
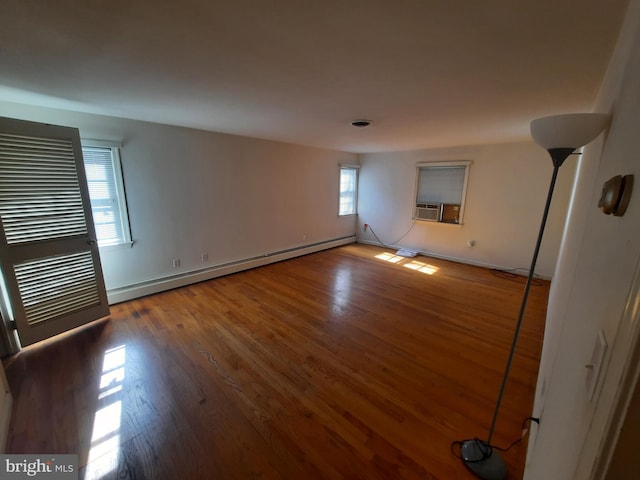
560 135
361 123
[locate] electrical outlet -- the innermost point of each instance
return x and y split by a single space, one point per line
176 262
204 257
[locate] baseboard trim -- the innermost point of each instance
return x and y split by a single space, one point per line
521 271
129 292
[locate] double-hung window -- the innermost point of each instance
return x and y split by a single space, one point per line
441 190
106 192
348 190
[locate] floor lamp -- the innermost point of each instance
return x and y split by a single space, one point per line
560 135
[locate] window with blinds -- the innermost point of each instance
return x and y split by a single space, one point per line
106 192
440 184
440 191
348 190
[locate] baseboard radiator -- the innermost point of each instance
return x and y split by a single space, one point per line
137 290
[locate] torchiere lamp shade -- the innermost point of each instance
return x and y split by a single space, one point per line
570 130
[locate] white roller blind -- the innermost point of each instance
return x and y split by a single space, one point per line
440 184
39 191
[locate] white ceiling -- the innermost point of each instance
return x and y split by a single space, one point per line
428 73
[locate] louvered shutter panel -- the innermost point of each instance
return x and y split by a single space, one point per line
39 191
55 286
48 254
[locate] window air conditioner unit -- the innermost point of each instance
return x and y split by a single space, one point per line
428 211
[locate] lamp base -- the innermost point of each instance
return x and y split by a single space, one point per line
482 460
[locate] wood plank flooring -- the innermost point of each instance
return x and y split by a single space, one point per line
348 363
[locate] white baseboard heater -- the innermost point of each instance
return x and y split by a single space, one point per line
129 292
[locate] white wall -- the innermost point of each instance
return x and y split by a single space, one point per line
191 192
507 187
594 288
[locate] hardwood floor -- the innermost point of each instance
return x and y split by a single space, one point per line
339 364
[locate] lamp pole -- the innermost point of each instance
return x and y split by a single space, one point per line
525 298
558 156
552 133
477 455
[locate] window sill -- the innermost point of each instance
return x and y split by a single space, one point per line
116 246
421 220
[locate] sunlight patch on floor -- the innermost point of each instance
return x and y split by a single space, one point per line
105 437
410 263
390 257
421 267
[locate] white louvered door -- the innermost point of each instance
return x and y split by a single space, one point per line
49 258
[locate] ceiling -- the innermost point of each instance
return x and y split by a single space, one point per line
427 73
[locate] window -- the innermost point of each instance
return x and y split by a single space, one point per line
440 191
106 192
348 190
